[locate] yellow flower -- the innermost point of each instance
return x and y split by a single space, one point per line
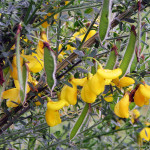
34 63
79 82
86 94
142 95
122 107
57 105
52 117
13 96
123 82
69 94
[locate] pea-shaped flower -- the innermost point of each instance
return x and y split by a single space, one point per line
69 93
52 115
86 94
123 82
142 95
122 107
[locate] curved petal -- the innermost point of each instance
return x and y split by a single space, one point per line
52 117
79 82
34 63
86 94
122 107
57 105
145 90
96 84
109 74
145 134
69 94
125 81
12 95
139 99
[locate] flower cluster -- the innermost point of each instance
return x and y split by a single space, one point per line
34 63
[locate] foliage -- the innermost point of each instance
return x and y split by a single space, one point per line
74 74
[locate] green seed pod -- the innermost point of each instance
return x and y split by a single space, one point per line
135 61
129 52
104 19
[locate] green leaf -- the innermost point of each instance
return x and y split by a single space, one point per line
79 121
50 68
31 143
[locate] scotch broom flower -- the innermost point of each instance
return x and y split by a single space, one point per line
69 94
142 95
52 117
122 107
86 94
123 82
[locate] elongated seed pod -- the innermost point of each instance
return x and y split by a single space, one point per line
79 121
104 19
129 52
112 57
135 61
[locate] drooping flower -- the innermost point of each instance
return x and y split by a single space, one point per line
142 95
52 115
69 94
122 107
13 95
86 94
123 82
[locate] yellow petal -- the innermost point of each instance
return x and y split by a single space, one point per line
134 115
14 72
139 99
34 63
122 107
125 81
96 84
57 105
86 94
79 82
108 98
52 117
69 94
108 81
145 90
109 74
12 95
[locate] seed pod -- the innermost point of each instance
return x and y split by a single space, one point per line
104 19
129 52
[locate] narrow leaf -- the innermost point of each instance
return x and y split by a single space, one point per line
50 68
79 121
